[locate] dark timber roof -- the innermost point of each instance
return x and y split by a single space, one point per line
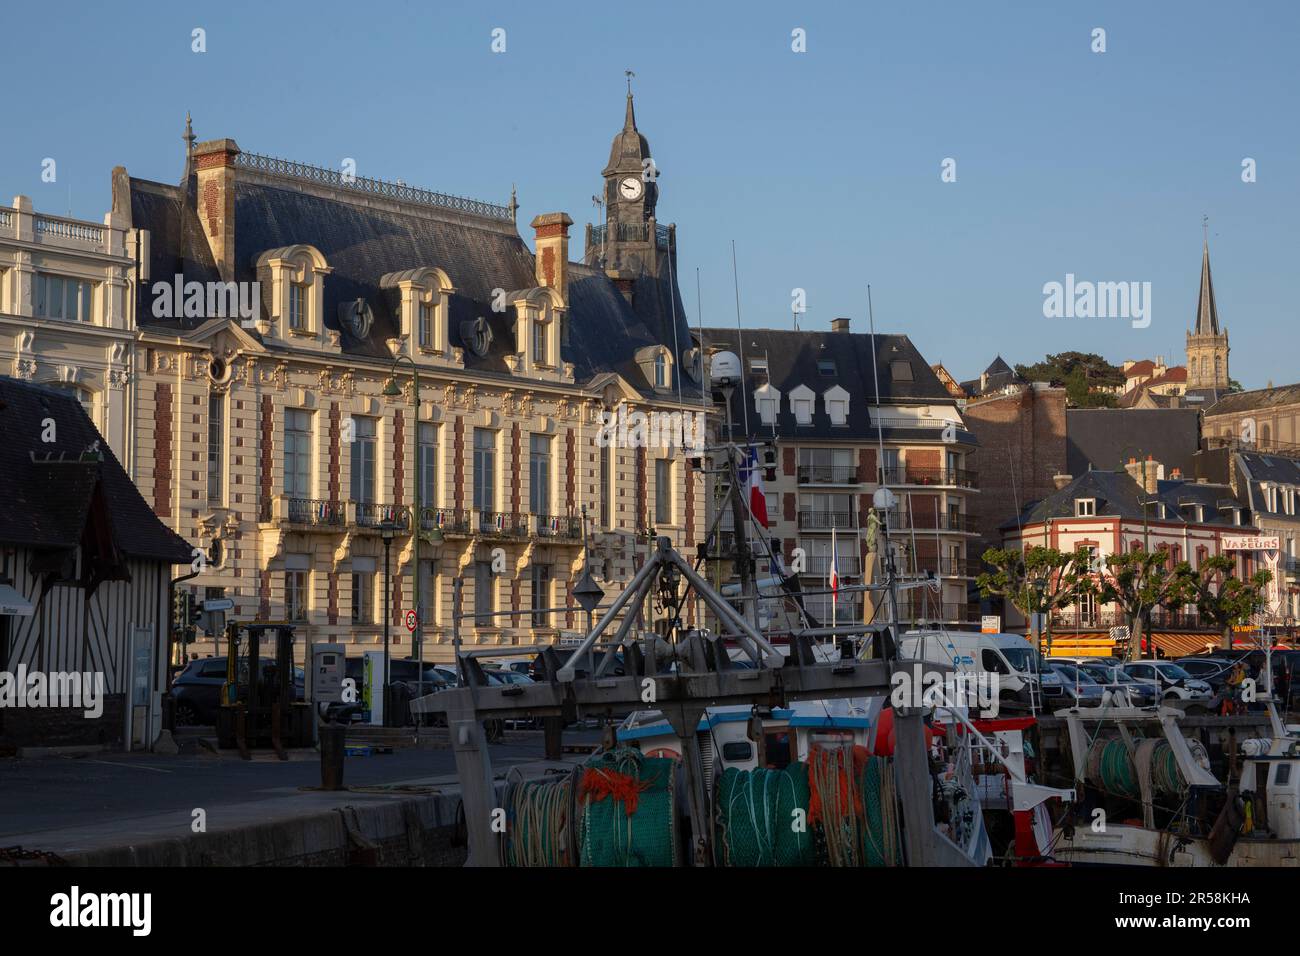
1237 402
47 503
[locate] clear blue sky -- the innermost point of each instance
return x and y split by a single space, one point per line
823 166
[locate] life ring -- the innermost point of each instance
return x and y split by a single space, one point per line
664 752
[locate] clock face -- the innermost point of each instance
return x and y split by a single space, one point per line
630 188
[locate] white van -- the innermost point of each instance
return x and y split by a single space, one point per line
1021 677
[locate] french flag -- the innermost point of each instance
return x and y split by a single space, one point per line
833 577
749 476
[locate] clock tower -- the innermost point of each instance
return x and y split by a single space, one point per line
628 244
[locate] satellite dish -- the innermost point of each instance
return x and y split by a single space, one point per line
693 364
724 370
884 499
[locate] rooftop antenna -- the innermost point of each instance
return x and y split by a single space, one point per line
740 338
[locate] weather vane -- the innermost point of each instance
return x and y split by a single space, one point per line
629 74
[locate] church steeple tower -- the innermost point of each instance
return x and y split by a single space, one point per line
626 244
1207 344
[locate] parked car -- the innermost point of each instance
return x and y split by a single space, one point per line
1170 681
1078 687
1115 678
197 689
615 668
1212 669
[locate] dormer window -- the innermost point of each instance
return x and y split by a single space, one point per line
422 304
801 403
297 289
767 400
656 364
837 405
298 307
1085 507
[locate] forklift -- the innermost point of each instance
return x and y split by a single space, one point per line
258 704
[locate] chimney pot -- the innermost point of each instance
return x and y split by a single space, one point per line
839 325
1061 481
551 244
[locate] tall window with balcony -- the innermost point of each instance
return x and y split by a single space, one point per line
539 474
364 447
663 491
485 466
428 464
63 297
297 463
890 468
826 466
216 445
822 512
540 575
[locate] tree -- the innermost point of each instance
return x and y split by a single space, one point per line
1080 373
1222 598
1138 583
1038 580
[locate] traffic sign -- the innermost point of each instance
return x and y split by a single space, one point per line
219 604
412 619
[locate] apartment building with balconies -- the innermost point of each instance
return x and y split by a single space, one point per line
814 395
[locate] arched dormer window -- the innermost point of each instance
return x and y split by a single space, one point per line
539 314
297 275
656 364
423 308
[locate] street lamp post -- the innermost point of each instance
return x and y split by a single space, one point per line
388 530
391 389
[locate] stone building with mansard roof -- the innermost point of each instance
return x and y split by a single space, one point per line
268 438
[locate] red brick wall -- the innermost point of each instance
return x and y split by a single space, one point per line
570 473
264 594
1022 445
267 450
458 454
335 439
517 461
689 474
162 465
333 608
789 506
788 461
641 514
399 456
867 465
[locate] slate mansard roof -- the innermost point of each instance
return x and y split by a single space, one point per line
1106 438
362 240
794 359
47 502
1118 495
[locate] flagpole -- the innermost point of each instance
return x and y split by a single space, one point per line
835 583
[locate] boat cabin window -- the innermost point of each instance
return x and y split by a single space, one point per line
737 750
777 746
1282 775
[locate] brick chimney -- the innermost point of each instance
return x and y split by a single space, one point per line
839 325
551 242
1155 472
214 164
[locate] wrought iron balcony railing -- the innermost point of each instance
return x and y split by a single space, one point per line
828 475
826 520
916 475
558 527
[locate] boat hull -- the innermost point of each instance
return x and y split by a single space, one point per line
1123 845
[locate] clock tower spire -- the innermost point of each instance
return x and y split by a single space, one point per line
625 244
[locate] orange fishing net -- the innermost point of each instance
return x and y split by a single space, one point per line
599 784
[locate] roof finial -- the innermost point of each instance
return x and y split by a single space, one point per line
1205 228
629 121
514 205
189 136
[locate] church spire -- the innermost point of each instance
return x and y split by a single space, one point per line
1207 314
